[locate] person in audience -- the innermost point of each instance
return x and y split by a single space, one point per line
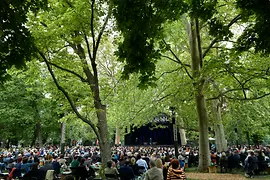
56 165
252 162
62 161
134 166
126 172
26 165
159 163
175 172
153 173
34 173
110 172
142 163
75 162
223 162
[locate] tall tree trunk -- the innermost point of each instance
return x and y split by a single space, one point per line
117 136
198 83
183 138
63 135
103 133
39 135
248 137
182 132
221 142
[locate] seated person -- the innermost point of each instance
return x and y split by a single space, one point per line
126 172
56 166
110 171
26 165
34 173
62 161
47 166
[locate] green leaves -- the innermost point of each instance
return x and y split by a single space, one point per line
24 103
256 14
16 45
141 24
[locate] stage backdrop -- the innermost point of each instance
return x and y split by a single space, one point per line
159 131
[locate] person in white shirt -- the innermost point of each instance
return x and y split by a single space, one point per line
142 163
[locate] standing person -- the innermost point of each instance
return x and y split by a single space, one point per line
223 162
75 162
153 173
252 164
175 172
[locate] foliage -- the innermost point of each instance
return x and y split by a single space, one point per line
16 42
256 14
248 117
140 23
23 105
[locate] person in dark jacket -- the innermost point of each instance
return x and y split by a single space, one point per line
223 162
56 166
34 173
126 172
252 164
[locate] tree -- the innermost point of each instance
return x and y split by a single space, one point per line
16 42
142 25
26 114
72 31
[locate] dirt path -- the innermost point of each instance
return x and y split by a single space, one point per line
208 176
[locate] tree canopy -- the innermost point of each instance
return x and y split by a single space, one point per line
16 45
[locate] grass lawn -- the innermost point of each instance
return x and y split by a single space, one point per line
192 174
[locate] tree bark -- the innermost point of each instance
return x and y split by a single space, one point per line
182 133
221 142
39 135
117 136
198 84
103 132
63 135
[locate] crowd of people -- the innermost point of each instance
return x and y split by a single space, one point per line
145 162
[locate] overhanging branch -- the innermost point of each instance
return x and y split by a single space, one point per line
68 97
69 71
180 62
234 20
92 24
248 99
102 31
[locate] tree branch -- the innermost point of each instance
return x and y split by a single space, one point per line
88 47
225 92
92 24
102 31
245 95
168 72
248 99
234 20
67 70
168 57
199 40
179 61
68 97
